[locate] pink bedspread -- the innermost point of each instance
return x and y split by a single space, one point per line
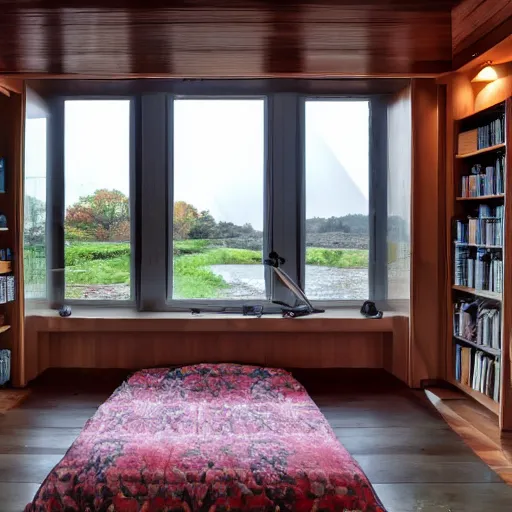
207 438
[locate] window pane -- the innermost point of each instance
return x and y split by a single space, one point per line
218 199
34 232
337 224
97 186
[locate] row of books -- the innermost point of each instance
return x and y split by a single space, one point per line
485 229
5 366
492 133
477 321
7 289
487 182
481 269
477 370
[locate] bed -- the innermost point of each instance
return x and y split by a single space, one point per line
207 437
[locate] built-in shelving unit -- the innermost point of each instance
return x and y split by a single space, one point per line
11 302
479 316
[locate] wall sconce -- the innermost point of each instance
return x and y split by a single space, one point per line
486 74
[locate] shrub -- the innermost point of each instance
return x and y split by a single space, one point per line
77 254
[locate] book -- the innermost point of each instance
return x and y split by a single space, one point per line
478 370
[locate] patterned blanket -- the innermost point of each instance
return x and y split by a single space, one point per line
220 437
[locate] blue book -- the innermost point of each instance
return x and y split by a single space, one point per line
2 175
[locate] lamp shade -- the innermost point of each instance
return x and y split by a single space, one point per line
486 74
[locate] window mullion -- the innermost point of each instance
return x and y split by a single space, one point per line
285 183
378 200
154 198
55 210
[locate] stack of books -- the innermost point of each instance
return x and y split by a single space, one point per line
477 321
485 182
477 370
492 133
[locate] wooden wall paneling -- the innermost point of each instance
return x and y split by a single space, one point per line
12 84
426 265
222 39
450 193
469 98
443 227
137 350
396 360
506 350
477 26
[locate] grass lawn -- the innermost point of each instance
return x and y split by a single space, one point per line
109 263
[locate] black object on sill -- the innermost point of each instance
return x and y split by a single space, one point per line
65 311
369 310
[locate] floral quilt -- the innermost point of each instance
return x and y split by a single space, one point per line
207 437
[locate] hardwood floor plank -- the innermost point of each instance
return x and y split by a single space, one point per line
44 418
23 468
443 497
59 439
14 496
403 440
418 468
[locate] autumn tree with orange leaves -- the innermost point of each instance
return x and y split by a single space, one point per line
184 217
103 216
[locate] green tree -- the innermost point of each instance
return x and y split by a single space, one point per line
204 226
102 216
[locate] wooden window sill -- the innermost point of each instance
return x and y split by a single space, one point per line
124 319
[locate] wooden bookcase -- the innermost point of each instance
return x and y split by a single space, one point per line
484 236
11 143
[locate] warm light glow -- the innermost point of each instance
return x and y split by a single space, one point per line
487 74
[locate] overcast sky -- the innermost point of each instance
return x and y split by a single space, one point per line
218 154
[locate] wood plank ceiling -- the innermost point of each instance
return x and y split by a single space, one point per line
222 38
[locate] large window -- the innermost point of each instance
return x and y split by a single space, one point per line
218 174
97 205
173 199
337 199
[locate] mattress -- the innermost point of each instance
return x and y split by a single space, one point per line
207 438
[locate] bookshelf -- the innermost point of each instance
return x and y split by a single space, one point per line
479 298
11 238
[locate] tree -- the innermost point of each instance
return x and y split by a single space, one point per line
184 218
35 221
204 227
102 216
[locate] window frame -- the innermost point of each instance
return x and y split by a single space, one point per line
150 151
211 303
377 197
56 207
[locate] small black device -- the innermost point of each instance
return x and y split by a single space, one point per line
65 311
369 310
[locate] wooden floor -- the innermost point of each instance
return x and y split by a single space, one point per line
414 460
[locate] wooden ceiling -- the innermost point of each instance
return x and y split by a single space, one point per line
237 38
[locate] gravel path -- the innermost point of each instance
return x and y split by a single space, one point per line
247 282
